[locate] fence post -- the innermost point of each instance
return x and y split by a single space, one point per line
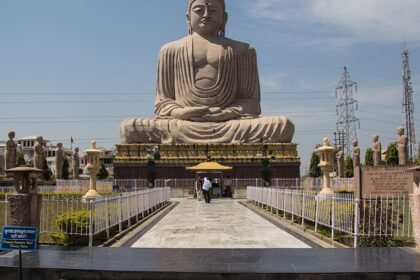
316 213
129 210
6 207
90 224
303 209
333 220
356 221
137 206
107 218
293 207
119 213
284 203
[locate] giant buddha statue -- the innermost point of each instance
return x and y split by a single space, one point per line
208 89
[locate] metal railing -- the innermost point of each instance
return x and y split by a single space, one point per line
336 184
100 215
185 187
4 213
375 216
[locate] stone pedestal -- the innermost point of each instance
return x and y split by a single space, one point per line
131 160
415 205
25 209
415 213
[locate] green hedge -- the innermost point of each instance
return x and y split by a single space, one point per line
69 223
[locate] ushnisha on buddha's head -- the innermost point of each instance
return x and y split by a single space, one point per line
207 17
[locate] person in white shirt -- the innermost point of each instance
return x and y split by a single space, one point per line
206 189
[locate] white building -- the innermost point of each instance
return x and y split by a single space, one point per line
27 145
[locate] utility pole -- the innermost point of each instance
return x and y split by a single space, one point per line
346 123
408 107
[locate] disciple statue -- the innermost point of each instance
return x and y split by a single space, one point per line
10 154
377 151
402 146
340 161
59 161
76 163
39 153
355 154
208 89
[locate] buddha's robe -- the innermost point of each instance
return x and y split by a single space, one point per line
237 89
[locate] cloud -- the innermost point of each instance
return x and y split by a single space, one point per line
272 81
388 96
360 20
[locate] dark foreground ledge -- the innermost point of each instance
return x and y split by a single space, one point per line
126 263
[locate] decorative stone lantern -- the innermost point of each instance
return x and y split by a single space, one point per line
93 165
25 204
326 153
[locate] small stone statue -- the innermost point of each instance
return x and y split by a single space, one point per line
76 163
59 161
355 154
402 146
377 151
340 161
10 154
39 153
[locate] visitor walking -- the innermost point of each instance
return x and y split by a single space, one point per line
206 189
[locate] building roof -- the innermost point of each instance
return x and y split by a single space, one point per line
209 166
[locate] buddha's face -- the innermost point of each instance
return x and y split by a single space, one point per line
207 17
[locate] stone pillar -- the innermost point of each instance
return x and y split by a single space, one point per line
93 165
326 163
25 209
25 204
415 205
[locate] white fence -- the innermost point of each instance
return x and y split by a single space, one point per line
103 213
4 213
337 184
185 187
375 216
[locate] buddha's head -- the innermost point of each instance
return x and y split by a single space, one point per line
11 135
375 138
400 131
207 17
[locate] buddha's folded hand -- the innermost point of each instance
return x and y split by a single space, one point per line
223 115
189 113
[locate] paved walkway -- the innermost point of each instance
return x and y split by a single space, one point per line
223 223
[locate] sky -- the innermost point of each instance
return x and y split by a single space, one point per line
78 68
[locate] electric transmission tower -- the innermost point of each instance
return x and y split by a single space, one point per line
346 123
408 108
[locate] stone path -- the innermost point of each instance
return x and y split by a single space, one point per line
220 224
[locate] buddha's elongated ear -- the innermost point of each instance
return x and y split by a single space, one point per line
222 31
189 23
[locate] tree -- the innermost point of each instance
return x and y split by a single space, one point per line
102 173
314 169
20 159
418 156
348 167
369 157
65 172
47 173
392 154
